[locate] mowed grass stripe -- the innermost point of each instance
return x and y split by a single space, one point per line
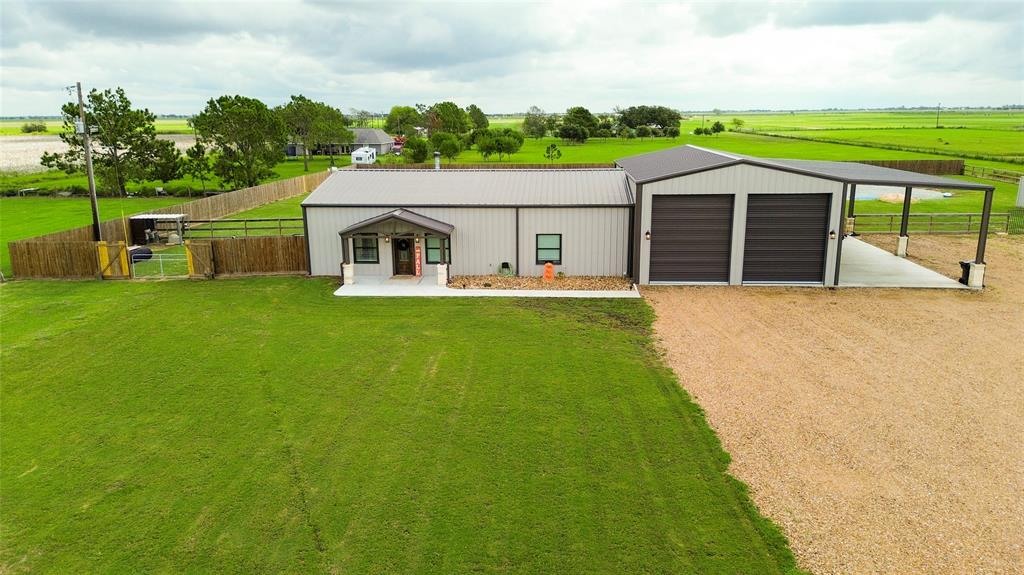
262 425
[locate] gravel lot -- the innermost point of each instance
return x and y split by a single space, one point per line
883 429
22 153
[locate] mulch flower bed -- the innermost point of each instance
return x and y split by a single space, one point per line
559 283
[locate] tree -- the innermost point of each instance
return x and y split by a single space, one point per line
486 145
33 127
197 164
643 132
573 134
626 133
535 123
361 118
551 123
508 142
445 117
552 153
330 129
448 144
737 123
402 120
661 116
247 136
300 117
717 127
124 143
416 150
672 132
581 117
167 161
477 117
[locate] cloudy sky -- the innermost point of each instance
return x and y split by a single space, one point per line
171 56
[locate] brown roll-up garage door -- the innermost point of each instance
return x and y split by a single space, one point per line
786 237
691 238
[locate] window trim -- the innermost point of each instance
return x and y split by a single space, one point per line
376 250
537 248
446 244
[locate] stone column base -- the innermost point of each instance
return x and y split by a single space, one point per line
901 247
849 226
976 275
442 275
348 271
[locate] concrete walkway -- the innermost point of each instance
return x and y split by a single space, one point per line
426 290
864 265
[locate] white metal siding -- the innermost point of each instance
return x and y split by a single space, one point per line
482 239
741 180
595 241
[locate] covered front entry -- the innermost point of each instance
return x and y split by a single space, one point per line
786 238
691 238
399 244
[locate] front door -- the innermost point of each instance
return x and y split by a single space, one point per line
403 256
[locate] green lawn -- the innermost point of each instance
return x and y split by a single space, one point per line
55 126
22 218
994 144
265 426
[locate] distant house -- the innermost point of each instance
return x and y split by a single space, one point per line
374 138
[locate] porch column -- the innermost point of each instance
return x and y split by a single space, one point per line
901 246
442 268
348 271
986 212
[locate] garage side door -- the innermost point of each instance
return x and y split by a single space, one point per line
786 237
691 238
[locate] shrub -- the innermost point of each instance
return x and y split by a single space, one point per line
33 127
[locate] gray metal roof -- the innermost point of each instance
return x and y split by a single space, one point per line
688 159
410 188
673 161
371 136
408 216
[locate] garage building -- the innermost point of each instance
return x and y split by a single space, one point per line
685 215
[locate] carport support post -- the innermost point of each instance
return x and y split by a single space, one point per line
850 217
901 247
976 272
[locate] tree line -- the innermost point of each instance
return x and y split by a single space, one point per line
239 140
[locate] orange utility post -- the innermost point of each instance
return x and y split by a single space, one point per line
549 272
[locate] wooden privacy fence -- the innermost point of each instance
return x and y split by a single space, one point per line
247 256
211 208
931 223
72 258
933 167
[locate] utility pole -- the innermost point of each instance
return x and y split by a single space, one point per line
937 108
83 130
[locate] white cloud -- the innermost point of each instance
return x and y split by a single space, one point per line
173 56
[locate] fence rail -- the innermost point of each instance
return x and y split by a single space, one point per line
197 229
932 167
993 174
931 223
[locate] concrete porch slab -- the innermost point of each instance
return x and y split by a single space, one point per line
864 265
410 289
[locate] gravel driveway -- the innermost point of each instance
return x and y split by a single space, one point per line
883 429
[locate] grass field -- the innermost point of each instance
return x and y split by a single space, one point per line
56 180
995 144
55 126
264 426
22 218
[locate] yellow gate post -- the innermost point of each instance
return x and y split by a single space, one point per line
188 257
104 254
125 270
